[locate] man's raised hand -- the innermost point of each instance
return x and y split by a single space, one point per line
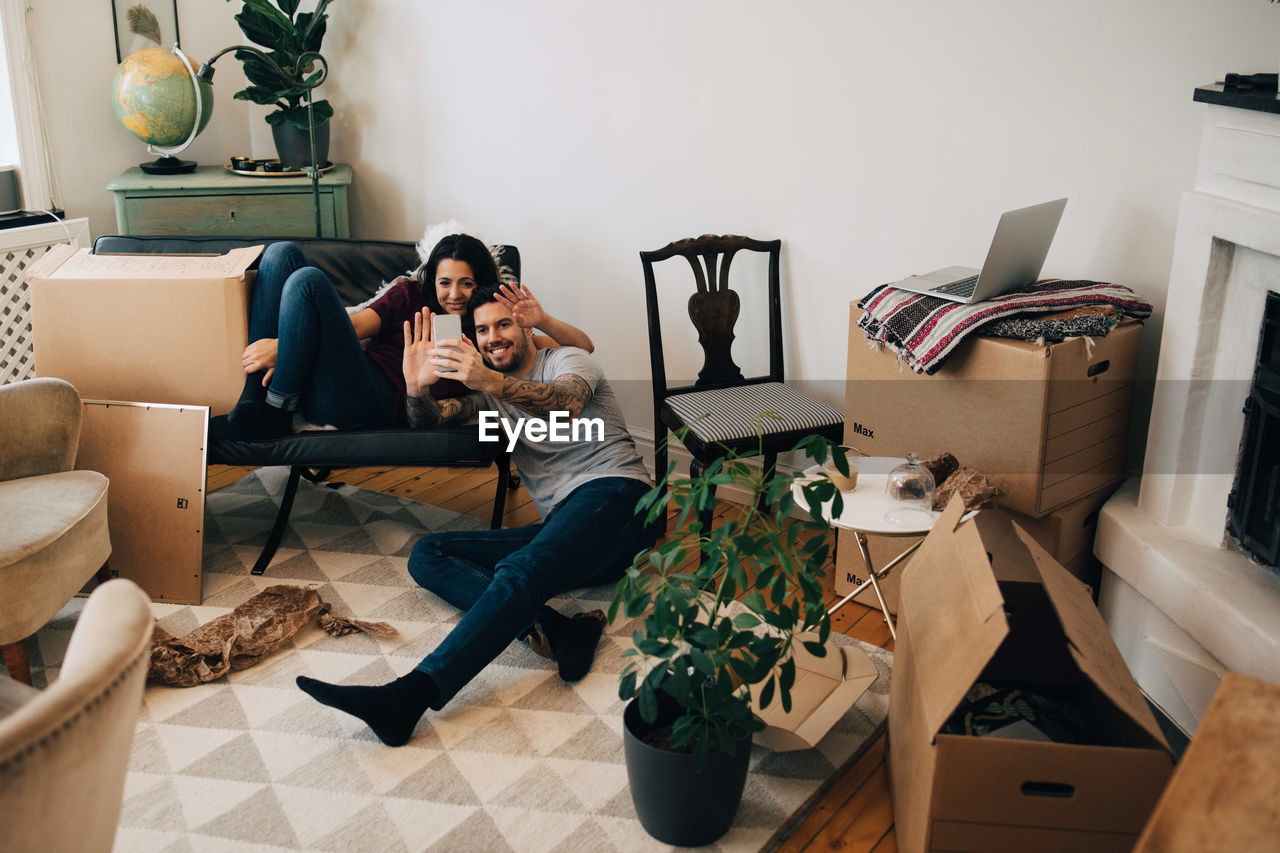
468 366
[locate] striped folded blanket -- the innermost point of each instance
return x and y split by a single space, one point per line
925 330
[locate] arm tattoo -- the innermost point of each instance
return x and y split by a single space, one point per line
428 413
567 393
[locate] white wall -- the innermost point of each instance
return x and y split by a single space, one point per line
877 139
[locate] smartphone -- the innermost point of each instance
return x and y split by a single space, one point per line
443 327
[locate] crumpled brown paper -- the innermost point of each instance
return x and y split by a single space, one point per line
239 639
973 487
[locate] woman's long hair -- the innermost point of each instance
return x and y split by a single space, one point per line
458 247
470 250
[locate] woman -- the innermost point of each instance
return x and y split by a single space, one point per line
305 353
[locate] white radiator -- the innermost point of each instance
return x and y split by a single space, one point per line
19 249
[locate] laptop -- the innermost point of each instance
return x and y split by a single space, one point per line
1014 260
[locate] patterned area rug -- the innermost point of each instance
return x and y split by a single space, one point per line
518 761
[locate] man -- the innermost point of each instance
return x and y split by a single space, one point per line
585 490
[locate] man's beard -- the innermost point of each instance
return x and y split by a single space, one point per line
515 358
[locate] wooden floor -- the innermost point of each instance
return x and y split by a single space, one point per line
855 815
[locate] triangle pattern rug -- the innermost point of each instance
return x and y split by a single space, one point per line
519 760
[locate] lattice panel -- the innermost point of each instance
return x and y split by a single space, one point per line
17 360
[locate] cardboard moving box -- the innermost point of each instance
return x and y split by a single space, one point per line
1066 533
162 328
1049 423
1034 627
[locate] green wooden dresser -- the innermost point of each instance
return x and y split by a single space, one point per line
213 201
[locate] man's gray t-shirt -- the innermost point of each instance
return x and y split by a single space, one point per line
552 470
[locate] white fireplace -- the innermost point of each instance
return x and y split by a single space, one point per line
1183 606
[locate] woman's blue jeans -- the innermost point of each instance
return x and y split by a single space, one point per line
320 366
502 578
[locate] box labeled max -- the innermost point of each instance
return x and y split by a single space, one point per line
1048 422
159 328
1035 629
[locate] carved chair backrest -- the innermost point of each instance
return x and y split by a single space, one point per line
713 308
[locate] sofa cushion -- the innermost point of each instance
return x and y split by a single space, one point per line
53 540
352 448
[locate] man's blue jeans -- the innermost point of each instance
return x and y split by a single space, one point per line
502 578
320 366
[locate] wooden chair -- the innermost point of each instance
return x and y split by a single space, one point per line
723 409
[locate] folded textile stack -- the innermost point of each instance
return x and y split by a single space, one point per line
925 330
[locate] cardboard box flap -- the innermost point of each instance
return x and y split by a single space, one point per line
825 688
953 611
1091 645
51 260
84 264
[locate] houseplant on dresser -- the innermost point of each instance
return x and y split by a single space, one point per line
292 40
689 723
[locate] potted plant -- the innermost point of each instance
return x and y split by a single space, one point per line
286 35
688 726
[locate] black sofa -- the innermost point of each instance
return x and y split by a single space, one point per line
357 268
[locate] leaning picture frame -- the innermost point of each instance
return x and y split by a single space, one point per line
144 23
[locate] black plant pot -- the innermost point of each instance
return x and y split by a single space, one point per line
677 804
293 144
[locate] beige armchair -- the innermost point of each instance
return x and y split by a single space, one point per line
54 536
64 750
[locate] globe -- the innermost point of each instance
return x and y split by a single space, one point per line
153 94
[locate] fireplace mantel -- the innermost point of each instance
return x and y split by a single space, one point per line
1182 605
1259 100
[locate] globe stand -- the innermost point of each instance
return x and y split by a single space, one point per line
168 166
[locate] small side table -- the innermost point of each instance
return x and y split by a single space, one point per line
864 513
213 201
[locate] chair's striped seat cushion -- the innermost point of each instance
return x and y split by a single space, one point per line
729 414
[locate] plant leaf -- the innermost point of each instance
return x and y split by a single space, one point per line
298 115
818 650
636 606
766 694
648 703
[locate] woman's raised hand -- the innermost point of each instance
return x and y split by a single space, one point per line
419 372
525 308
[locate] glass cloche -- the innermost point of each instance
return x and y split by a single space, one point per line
911 486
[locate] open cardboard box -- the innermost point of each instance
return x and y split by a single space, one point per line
1017 619
156 328
825 688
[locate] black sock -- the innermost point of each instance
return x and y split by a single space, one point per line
573 640
391 710
252 399
270 422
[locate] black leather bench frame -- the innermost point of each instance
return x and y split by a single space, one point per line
357 268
